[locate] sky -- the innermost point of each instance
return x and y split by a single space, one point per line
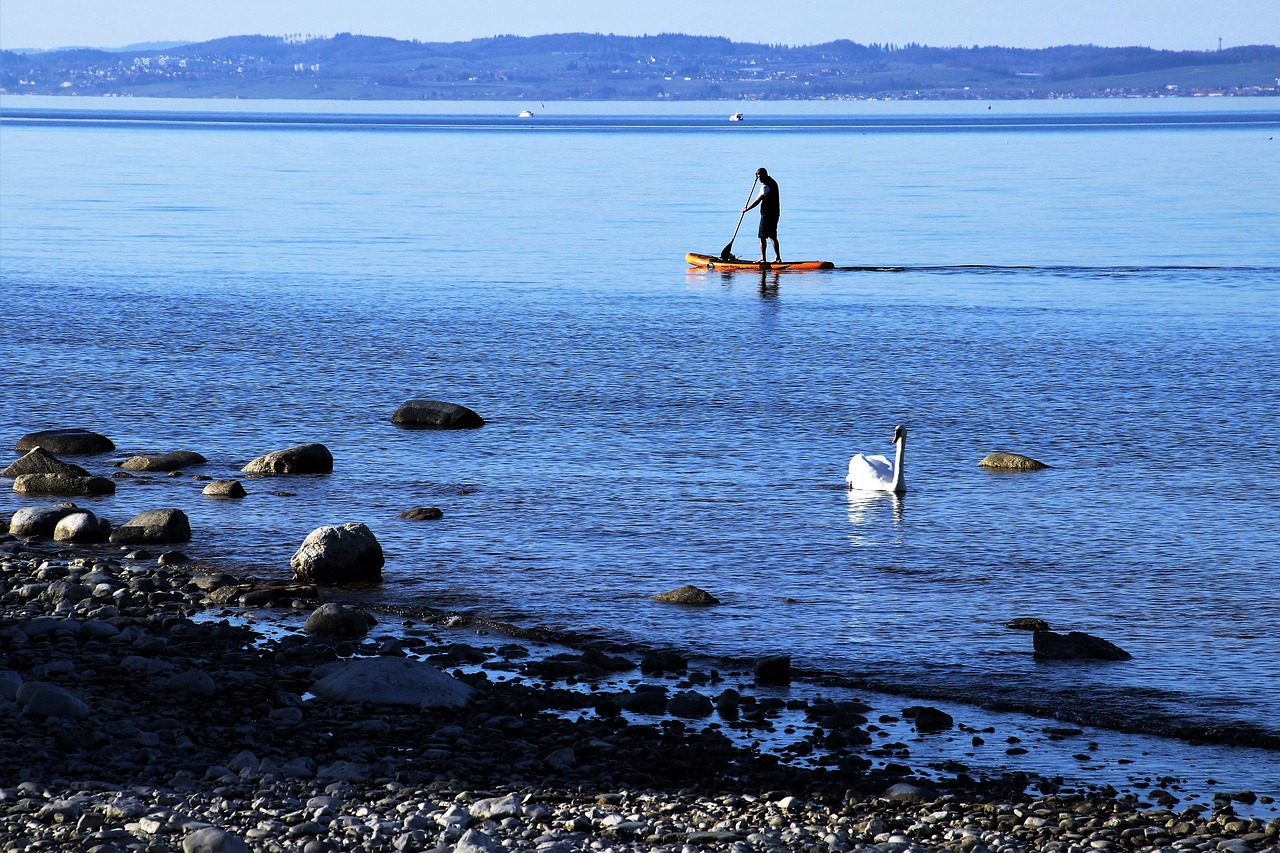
1161 24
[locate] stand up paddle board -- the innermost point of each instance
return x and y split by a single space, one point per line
732 264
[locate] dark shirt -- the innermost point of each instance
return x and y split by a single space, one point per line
770 204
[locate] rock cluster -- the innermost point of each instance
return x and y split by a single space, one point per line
134 719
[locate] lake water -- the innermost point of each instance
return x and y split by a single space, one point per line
1096 285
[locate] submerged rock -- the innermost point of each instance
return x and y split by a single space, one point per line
172 461
690 595
1027 623
422 513
224 489
71 442
302 459
1076 645
40 461
1011 462
435 414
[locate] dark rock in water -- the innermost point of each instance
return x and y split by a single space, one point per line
155 526
62 484
39 520
775 669
435 414
339 620
173 461
1076 646
69 442
928 718
646 699
687 595
224 489
1027 623
1011 462
303 459
335 555
173 558
40 461
422 513
654 662
690 704
81 526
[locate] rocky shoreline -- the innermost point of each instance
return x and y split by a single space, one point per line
136 718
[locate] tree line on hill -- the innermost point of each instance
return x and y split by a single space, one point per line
585 65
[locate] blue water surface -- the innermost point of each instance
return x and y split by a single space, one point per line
1098 292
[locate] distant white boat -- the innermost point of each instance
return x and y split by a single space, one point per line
526 114
736 117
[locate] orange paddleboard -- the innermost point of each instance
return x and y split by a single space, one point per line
712 262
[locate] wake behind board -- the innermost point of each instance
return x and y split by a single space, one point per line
713 262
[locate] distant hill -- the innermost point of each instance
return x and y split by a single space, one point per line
591 66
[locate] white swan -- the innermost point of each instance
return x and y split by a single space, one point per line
878 474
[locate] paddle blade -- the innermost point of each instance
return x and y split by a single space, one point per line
726 254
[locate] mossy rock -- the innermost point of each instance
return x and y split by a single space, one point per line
1011 462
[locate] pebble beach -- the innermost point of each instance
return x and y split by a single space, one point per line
142 711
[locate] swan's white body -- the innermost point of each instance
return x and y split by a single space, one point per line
878 474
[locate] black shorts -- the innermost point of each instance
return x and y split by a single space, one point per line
768 228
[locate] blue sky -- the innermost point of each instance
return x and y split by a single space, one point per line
1165 24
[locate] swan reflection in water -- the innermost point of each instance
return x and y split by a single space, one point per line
868 514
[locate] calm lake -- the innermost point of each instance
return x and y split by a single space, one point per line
1096 285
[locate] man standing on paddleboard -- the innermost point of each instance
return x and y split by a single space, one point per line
770 210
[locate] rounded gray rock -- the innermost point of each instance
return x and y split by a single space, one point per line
224 489
302 459
213 839
71 442
62 484
435 414
1011 462
81 526
155 526
338 620
172 461
333 555
689 595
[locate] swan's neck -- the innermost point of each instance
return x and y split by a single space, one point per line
899 481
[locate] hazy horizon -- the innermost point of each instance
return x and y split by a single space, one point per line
1158 24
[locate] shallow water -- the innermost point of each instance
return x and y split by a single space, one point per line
1103 299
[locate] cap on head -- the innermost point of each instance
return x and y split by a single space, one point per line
760 173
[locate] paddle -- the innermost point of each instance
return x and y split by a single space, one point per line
727 252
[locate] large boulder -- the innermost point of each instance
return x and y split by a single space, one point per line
435 414
154 527
174 460
303 459
39 520
345 554
69 442
339 621
40 461
390 681
82 526
62 484
1076 645
1011 462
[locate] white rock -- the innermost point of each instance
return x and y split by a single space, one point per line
475 841
213 839
496 808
